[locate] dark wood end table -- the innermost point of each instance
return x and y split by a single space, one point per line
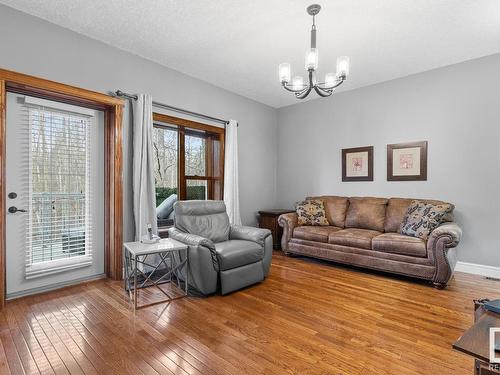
476 340
269 219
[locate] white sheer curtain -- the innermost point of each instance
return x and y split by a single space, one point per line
231 187
142 170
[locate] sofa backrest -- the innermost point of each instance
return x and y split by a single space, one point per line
366 213
335 209
381 214
207 219
396 211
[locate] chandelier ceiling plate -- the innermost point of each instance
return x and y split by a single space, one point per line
314 9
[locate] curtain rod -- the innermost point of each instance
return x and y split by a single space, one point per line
174 109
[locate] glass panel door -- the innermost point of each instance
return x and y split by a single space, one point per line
55 194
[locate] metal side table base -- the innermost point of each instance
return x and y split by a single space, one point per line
155 265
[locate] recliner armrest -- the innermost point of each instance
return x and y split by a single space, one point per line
190 239
193 240
258 235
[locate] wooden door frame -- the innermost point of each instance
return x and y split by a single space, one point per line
113 139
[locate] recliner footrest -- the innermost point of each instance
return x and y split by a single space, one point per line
241 277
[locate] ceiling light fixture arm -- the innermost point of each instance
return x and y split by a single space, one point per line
288 87
307 90
322 92
324 86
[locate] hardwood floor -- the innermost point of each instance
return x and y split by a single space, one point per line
307 318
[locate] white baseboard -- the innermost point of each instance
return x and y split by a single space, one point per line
478 269
54 286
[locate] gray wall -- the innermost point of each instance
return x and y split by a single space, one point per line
33 46
455 108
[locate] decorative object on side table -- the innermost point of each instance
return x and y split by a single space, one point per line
407 161
357 164
269 219
156 264
493 306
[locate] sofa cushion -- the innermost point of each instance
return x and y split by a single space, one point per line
335 209
353 237
237 253
314 233
422 218
400 244
311 212
396 211
366 213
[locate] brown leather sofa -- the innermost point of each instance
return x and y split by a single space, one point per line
363 232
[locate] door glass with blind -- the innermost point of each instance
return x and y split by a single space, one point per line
55 189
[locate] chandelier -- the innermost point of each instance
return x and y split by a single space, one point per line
332 80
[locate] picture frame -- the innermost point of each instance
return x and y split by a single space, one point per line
357 164
407 161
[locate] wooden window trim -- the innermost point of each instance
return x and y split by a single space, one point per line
187 123
113 111
205 178
183 127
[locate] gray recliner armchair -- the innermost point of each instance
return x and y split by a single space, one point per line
238 256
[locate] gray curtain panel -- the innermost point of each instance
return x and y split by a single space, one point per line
142 170
231 183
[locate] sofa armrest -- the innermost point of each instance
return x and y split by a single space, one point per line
288 222
195 242
441 250
450 232
258 235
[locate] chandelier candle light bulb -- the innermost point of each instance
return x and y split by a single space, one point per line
298 83
332 81
285 72
342 66
312 59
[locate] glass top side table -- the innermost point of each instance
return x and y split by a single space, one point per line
152 265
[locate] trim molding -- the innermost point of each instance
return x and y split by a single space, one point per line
55 286
478 269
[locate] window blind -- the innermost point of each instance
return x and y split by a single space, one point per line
60 174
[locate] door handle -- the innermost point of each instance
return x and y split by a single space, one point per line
14 209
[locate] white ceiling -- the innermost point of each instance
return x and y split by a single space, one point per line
238 44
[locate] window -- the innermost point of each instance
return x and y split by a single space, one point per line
60 178
188 162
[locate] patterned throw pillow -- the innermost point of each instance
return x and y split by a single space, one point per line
311 212
422 218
